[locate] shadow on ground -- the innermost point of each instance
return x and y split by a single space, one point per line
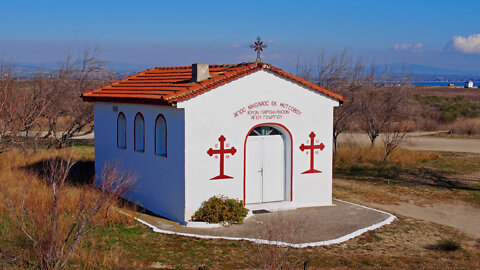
422 176
429 177
81 173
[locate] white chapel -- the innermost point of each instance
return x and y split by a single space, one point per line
248 131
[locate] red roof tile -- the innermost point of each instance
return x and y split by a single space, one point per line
167 85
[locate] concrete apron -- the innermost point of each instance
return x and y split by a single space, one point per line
303 227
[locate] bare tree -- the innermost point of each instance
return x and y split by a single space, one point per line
394 136
71 115
22 108
344 75
380 106
53 234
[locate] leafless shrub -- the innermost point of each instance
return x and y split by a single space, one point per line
394 136
54 221
465 126
279 228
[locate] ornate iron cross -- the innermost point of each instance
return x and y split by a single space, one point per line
258 46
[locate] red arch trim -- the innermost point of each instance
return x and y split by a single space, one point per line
245 158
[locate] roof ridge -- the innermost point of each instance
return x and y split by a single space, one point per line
210 81
172 84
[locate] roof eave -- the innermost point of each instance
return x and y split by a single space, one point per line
127 100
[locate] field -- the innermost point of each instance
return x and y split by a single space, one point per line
417 177
472 94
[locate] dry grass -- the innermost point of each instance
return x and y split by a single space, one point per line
465 126
21 183
393 193
124 244
442 91
409 176
351 154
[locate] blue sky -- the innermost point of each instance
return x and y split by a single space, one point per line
151 33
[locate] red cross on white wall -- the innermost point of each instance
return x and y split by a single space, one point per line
312 148
222 152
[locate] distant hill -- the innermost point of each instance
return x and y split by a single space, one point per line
419 72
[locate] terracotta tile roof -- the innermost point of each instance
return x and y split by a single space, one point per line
167 85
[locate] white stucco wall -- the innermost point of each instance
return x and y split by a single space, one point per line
160 186
212 114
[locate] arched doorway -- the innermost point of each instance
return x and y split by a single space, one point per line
267 166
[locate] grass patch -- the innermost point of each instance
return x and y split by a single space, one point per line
365 162
454 163
351 155
356 161
451 108
418 176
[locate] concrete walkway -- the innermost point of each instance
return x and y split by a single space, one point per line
312 226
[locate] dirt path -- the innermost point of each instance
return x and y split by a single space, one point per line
461 216
416 142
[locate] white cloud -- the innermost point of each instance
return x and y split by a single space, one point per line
408 47
271 41
470 44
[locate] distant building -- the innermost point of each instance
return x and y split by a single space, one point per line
469 84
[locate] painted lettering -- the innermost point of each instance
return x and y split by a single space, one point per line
241 111
267 109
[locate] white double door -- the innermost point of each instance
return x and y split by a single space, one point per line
265 169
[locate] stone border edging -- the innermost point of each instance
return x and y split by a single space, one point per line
344 238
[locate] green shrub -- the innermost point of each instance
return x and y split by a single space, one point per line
220 209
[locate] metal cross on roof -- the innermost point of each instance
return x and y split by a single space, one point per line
258 46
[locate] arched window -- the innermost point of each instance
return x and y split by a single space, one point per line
121 131
265 131
139 133
160 136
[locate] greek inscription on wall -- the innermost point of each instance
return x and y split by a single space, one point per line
267 110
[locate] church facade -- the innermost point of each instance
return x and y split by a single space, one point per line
249 131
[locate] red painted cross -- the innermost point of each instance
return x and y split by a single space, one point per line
222 151
312 148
